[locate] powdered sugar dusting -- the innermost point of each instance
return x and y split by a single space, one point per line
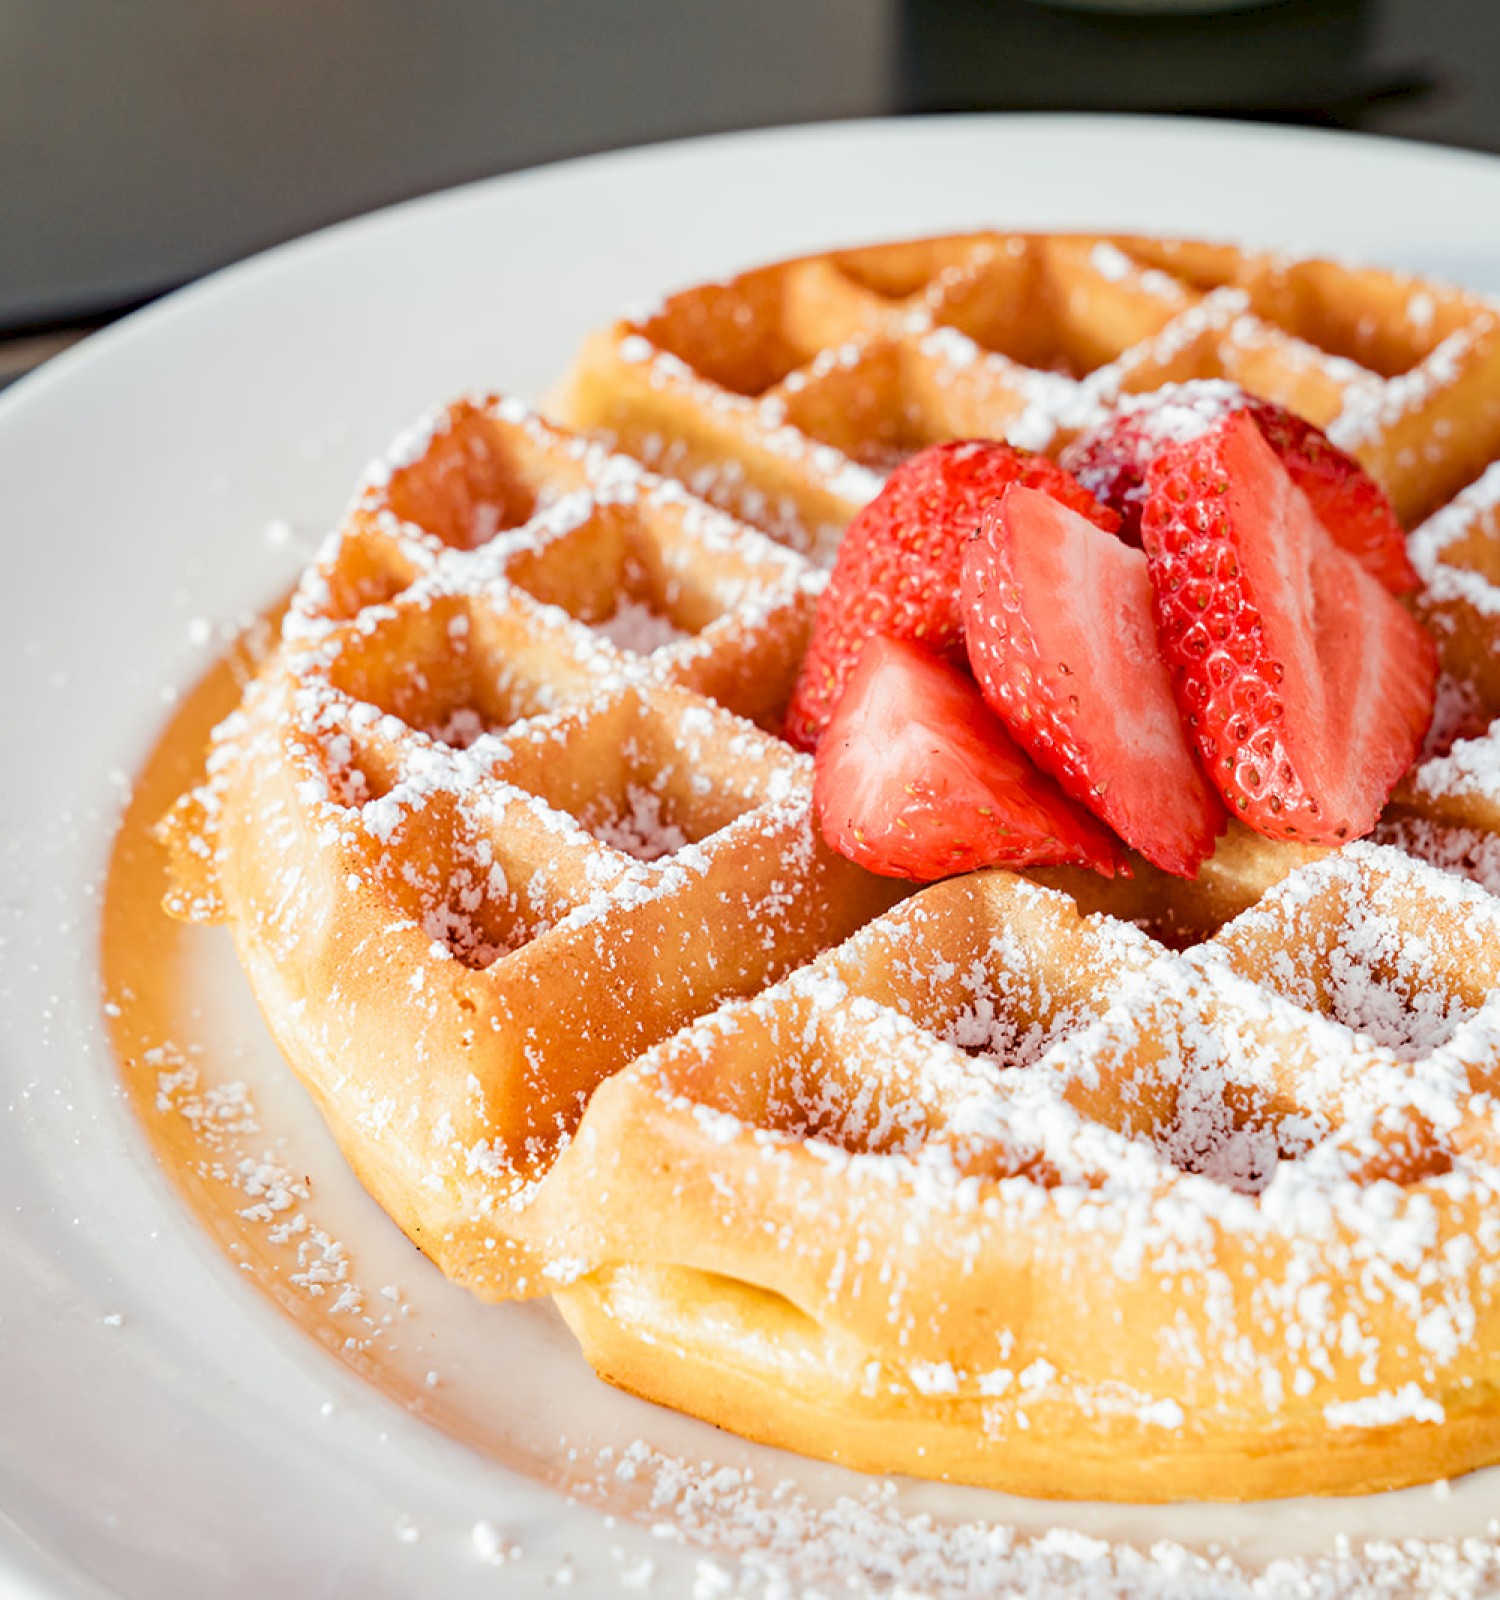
634 626
224 1129
775 1541
644 831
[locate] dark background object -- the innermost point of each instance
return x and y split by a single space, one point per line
1302 60
145 142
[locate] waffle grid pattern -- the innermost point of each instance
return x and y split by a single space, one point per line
982 1076
510 738
783 393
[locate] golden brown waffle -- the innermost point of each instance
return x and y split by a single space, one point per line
530 893
1449 807
1039 1204
480 830
783 393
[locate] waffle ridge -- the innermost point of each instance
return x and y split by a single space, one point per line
1121 1189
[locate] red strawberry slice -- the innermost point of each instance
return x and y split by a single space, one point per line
916 778
897 568
1058 619
1356 511
1112 461
1305 686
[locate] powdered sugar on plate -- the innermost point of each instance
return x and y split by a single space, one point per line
781 1542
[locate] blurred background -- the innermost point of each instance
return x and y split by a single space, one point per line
146 142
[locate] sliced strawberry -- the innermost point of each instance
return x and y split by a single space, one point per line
1112 461
1058 620
916 778
1356 511
897 568
1305 686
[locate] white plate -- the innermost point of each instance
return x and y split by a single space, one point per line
163 1430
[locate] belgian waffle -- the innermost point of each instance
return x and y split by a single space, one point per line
480 828
1129 1189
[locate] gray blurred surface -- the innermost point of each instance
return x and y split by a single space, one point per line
1458 43
145 142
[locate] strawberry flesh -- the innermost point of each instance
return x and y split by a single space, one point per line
1058 619
916 778
1306 688
898 565
1114 460
1356 511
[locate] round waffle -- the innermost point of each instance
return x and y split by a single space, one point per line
991 1184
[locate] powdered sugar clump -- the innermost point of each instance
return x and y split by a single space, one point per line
634 626
644 830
